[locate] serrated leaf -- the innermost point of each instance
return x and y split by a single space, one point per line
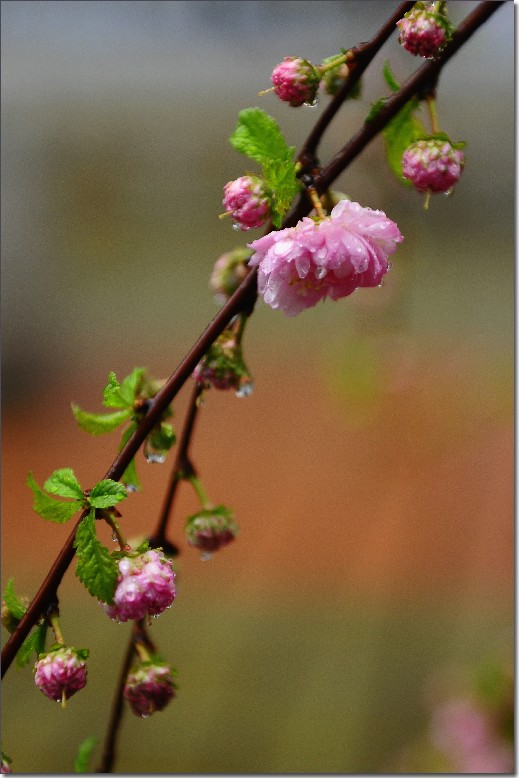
401 131
84 755
375 109
112 396
389 77
123 395
280 176
107 493
132 384
13 602
34 643
257 135
49 508
130 477
100 423
161 438
64 483
96 569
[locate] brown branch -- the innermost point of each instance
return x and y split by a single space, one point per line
362 56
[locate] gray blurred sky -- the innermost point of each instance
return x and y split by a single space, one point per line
115 119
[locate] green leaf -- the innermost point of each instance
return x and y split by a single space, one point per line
123 395
375 109
84 755
280 176
389 77
257 135
96 569
13 602
34 643
100 423
401 131
107 493
130 477
64 483
112 397
162 437
132 384
48 507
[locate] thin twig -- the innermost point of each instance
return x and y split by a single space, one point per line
157 539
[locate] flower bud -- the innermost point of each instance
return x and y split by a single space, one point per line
246 199
432 165
228 273
296 81
424 31
224 367
61 672
145 586
5 766
210 529
149 688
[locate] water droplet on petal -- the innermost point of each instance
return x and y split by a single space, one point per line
320 272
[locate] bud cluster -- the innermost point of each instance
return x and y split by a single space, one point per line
145 586
210 529
149 687
61 672
424 30
432 165
224 367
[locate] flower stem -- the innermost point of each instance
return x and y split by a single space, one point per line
54 622
201 493
433 113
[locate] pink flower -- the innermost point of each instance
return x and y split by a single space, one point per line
247 200
295 81
145 587
301 265
61 673
432 165
149 688
423 32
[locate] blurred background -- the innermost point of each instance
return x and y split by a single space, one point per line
371 471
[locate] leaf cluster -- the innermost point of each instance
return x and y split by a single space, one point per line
96 567
131 398
258 136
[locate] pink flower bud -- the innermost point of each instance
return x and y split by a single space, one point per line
423 31
247 200
5 766
296 81
211 529
228 273
149 688
61 672
432 165
145 587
